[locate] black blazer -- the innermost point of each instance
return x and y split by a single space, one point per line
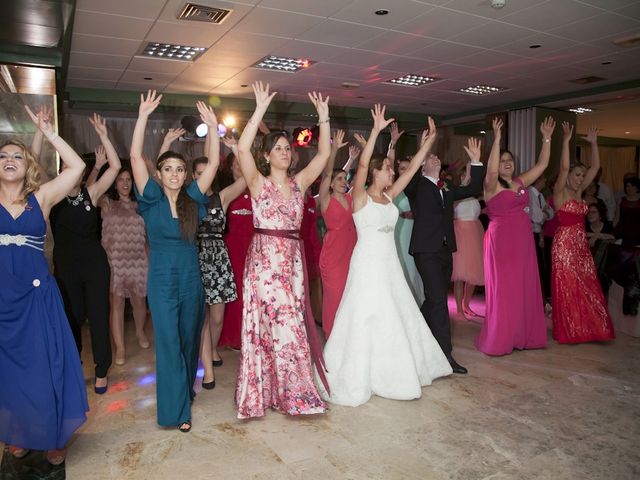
433 217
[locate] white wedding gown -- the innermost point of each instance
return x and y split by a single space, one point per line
380 343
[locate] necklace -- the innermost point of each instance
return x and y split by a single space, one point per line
75 201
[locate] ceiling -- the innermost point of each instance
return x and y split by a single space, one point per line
462 42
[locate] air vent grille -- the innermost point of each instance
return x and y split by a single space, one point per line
201 13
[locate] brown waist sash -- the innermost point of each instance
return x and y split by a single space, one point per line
312 335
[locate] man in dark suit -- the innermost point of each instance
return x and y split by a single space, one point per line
433 240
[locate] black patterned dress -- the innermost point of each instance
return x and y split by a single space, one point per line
215 267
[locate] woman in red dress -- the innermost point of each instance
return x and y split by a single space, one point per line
237 239
579 309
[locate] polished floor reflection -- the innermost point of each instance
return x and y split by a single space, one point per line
566 412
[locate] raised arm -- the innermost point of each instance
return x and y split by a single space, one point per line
395 136
354 151
416 161
563 171
592 138
546 128
101 159
108 177
325 184
38 138
245 157
493 164
138 166
55 190
308 174
208 116
171 136
379 123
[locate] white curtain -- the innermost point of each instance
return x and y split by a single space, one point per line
522 137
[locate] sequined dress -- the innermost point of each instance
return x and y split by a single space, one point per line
579 308
275 362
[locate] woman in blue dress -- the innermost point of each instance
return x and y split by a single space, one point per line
43 397
171 211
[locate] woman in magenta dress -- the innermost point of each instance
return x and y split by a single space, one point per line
237 238
336 206
579 308
312 247
514 315
279 338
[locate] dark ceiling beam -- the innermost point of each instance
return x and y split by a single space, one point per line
31 56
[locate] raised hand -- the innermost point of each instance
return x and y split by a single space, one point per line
263 97
354 151
497 126
379 122
43 124
567 131
395 133
322 106
592 135
360 139
99 124
149 103
431 132
231 143
208 116
46 112
547 127
474 149
101 156
338 140
174 134
423 138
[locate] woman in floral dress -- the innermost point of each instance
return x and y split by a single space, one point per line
279 340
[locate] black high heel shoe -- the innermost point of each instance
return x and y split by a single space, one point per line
209 385
185 427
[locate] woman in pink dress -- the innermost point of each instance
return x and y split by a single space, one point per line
579 308
336 206
237 238
514 316
279 339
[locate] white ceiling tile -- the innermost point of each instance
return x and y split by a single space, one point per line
492 34
201 85
397 43
131 76
238 60
85 83
185 33
446 52
610 4
361 58
603 25
157 65
277 22
548 43
335 32
441 23
80 59
246 43
484 8
173 8
573 54
451 70
118 26
105 45
209 70
408 65
490 59
548 16
325 8
94 73
138 8
362 12
632 10
142 87
316 52
370 74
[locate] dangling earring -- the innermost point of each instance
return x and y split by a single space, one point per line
268 161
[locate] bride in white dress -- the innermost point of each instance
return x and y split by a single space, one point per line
380 343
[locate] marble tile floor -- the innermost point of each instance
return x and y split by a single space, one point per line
567 412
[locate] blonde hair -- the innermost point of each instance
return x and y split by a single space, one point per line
32 178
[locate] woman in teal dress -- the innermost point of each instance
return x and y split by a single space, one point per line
171 212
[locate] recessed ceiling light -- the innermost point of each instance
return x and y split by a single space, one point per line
627 133
580 110
148 78
282 64
535 45
605 63
168 51
481 90
382 11
412 80
244 85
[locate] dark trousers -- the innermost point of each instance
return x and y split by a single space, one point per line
435 270
85 291
546 284
543 265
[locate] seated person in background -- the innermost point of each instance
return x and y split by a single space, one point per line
600 235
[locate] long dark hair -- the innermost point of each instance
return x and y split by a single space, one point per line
376 163
112 193
186 208
502 181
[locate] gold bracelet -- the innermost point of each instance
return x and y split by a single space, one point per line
546 140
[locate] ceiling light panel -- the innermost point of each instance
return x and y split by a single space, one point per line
579 110
282 64
168 51
412 80
481 90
